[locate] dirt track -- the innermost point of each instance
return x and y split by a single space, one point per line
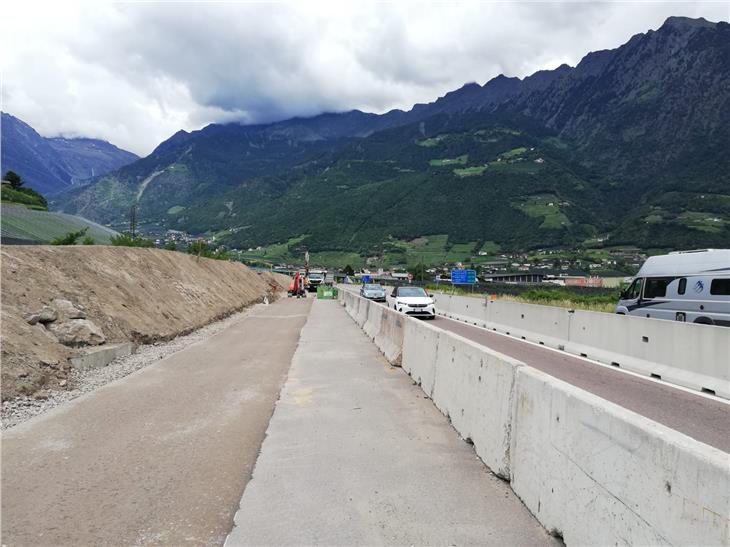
159 457
134 294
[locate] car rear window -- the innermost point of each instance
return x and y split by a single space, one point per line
720 287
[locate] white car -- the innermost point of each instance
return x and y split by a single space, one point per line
412 301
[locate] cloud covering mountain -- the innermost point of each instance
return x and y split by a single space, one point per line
136 73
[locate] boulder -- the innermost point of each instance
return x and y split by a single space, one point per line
78 332
32 318
66 310
46 315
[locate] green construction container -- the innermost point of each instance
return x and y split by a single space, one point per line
326 293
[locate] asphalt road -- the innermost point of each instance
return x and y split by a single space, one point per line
159 457
356 455
701 418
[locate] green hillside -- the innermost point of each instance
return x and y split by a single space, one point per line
20 224
628 148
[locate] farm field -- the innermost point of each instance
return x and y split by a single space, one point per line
546 207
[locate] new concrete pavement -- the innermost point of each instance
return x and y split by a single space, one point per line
159 457
355 455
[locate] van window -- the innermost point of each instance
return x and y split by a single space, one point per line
656 287
634 290
720 287
682 286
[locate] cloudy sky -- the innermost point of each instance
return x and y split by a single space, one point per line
133 73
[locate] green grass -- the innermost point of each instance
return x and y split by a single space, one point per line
654 218
547 297
277 252
461 160
705 222
546 207
470 171
434 250
40 226
336 259
175 209
514 153
433 141
23 196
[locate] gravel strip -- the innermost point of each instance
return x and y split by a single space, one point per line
23 408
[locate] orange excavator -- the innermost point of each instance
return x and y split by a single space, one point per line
296 288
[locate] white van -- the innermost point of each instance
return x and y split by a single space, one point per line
692 286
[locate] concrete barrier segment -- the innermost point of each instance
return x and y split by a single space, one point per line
597 473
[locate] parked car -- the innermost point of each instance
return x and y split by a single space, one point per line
412 301
691 286
373 291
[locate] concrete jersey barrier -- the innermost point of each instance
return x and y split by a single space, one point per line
589 470
383 326
693 356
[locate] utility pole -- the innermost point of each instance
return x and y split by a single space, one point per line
133 220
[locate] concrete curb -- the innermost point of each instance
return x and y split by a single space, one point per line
101 356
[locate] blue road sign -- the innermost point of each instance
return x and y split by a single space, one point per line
366 279
463 277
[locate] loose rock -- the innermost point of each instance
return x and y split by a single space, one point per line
47 315
66 310
78 332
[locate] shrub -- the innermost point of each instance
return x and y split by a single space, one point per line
201 248
70 238
88 240
127 240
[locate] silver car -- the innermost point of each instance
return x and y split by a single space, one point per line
373 291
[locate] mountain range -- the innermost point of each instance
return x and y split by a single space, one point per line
629 147
51 165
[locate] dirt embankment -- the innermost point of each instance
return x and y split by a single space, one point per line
129 294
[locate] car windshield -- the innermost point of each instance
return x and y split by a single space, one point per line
316 276
373 288
411 291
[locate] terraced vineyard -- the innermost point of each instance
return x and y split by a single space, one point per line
20 224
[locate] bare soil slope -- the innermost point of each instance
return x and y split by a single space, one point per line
142 295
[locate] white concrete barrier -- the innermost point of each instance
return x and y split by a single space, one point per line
693 356
589 470
473 386
469 310
599 474
420 348
541 324
384 326
373 317
389 337
442 302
